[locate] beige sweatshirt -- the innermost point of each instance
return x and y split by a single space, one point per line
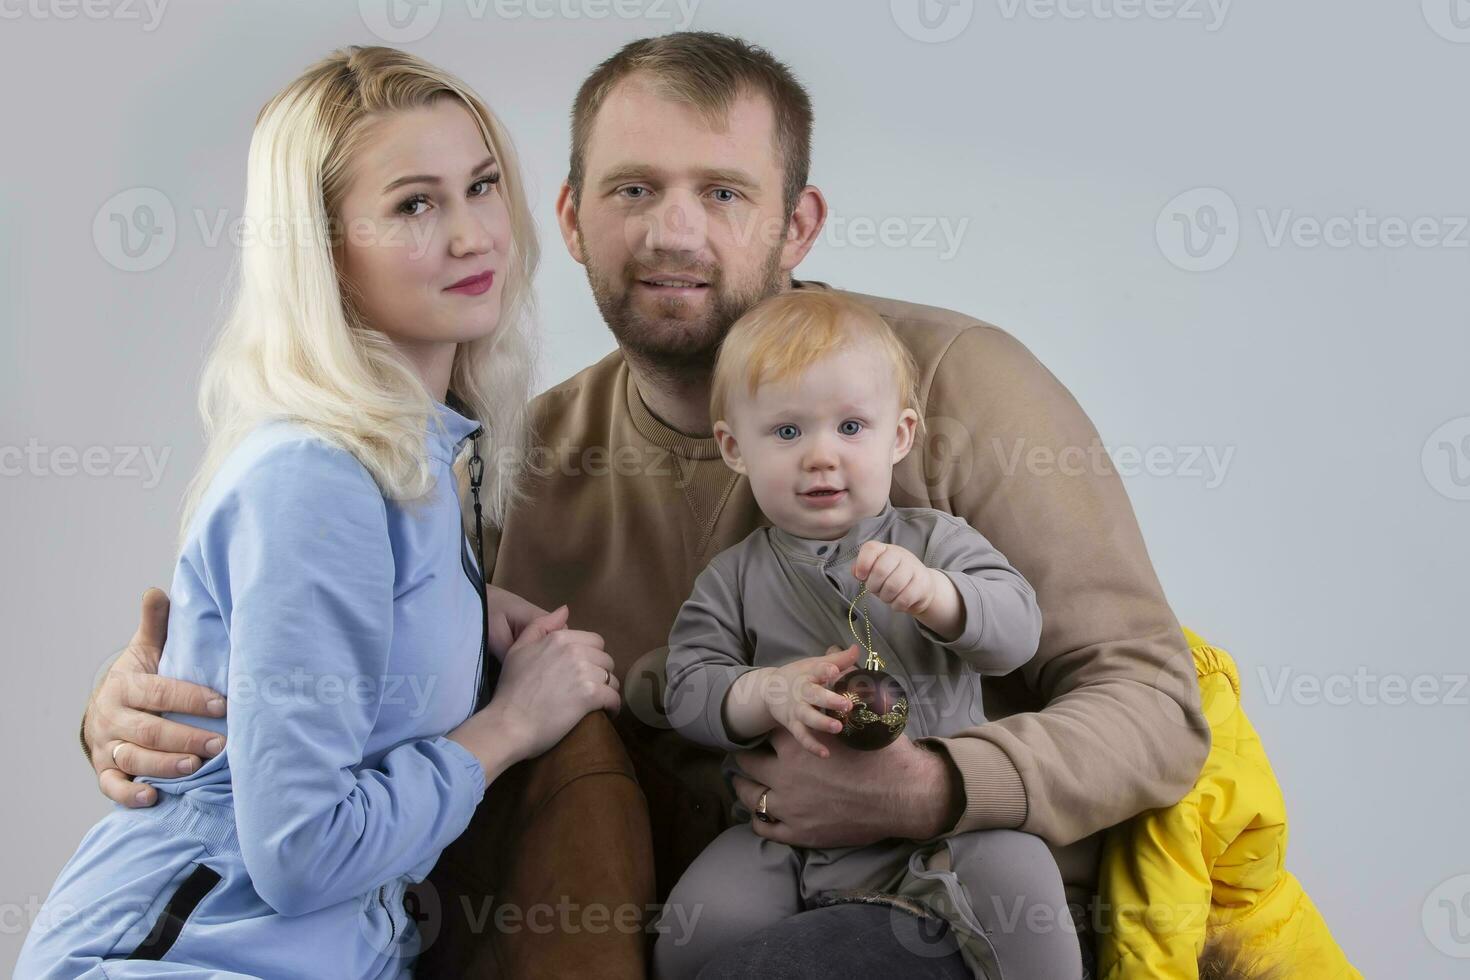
622 513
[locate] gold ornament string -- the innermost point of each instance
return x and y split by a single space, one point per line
874 662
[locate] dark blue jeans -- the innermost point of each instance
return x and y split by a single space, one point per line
843 941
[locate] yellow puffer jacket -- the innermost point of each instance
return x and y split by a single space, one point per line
1213 866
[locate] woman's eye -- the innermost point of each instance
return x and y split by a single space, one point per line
787 432
406 206
489 179
850 428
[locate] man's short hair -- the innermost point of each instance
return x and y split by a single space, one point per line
782 336
708 72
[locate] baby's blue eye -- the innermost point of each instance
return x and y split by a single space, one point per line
850 428
787 432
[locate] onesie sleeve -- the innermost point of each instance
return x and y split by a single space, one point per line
1002 618
298 556
707 654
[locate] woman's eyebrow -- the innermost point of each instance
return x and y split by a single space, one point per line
486 164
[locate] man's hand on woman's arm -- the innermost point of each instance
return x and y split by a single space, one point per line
124 736
122 732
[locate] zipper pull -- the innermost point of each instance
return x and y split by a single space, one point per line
477 467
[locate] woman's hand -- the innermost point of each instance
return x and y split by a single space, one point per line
796 693
550 679
509 617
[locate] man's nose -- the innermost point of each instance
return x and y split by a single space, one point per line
675 224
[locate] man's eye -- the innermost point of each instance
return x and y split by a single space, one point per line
850 428
629 192
787 432
724 190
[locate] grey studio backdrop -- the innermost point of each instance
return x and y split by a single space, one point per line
1235 231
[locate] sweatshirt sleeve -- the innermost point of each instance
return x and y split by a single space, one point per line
1115 726
1002 618
707 654
298 556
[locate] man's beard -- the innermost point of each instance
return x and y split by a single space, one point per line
672 345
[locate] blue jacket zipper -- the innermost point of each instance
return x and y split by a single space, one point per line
488 672
392 922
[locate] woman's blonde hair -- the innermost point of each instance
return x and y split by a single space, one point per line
783 335
293 345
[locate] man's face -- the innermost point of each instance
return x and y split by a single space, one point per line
681 224
819 449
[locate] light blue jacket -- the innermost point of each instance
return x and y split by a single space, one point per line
346 629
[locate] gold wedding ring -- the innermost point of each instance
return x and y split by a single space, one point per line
760 808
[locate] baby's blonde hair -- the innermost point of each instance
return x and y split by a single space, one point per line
782 336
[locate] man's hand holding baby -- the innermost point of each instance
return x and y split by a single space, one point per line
900 579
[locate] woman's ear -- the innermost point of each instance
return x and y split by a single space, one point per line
908 423
729 448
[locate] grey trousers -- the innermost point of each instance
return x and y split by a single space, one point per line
1000 890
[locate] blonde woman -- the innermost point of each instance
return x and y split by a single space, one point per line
325 581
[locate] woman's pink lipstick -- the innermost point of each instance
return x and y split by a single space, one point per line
474 285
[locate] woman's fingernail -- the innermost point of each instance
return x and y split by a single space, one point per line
214 745
216 706
185 766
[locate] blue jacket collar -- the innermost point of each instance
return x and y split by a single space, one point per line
447 432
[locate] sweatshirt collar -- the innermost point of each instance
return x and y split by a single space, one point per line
656 431
447 432
841 549
652 428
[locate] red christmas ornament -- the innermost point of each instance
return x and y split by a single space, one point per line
880 705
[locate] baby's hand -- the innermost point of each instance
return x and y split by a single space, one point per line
796 692
896 576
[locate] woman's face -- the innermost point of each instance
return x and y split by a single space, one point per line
422 213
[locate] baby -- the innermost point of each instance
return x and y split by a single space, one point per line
816 400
